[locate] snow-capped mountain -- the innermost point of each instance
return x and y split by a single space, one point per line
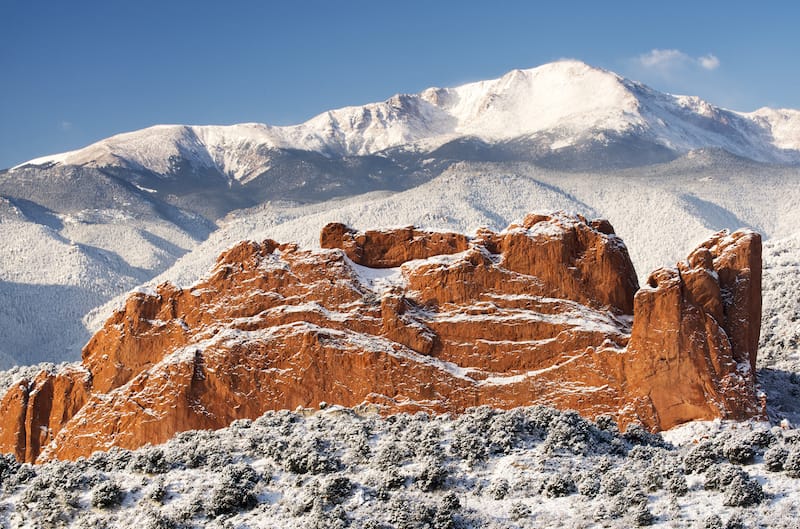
80 228
554 108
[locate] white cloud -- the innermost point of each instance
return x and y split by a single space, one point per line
66 125
709 62
665 61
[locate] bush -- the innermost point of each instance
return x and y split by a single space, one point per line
792 463
311 456
743 492
720 476
775 457
568 431
106 495
713 522
558 485
613 483
433 474
336 490
498 489
700 458
739 452
234 491
677 485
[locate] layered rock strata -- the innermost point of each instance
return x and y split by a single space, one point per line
547 311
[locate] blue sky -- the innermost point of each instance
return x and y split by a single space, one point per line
75 72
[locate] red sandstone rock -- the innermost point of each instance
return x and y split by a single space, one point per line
538 313
390 248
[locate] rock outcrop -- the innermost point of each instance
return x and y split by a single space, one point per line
546 311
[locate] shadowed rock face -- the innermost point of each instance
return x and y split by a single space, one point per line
408 320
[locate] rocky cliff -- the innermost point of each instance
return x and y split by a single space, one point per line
546 311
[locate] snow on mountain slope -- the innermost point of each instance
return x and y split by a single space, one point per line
561 104
660 213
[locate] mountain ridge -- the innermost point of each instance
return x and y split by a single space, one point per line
557 105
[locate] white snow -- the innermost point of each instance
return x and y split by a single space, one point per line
567 100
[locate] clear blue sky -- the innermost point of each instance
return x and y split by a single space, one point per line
75 72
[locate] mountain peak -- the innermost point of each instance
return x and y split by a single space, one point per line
558 105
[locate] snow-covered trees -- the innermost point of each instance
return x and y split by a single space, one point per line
336 468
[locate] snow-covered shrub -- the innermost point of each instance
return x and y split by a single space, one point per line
469 446
432 475
336 490
498 489
712 521
557 485
613 483
607 423
738 451
505 431
233 491
641 515
589 485
568 431
774 458
743 492
719 476
310 456
390 455
761 438
8 467
519 511
792 463
701 457
157 491
149 460
106 495
639 435
677 484
154 519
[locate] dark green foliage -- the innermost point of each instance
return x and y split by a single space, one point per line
775 457
701 457
234 491
106 495
743 492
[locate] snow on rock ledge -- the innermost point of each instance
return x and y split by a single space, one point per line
538 313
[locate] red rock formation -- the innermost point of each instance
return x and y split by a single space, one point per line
538 313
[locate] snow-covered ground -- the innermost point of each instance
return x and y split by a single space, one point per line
525 468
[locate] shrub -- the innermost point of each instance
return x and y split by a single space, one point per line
642 516
433 474
310 457
775 457
677 485
743 492
519 511
613 483
792 463
720 476
558 485
234 491
568 431
713 522
738 451
639 435
700 458
498 489
589 485
106 495
149 460
336 490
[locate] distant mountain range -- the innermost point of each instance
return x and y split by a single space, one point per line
82 227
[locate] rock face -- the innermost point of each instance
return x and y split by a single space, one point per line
546 311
